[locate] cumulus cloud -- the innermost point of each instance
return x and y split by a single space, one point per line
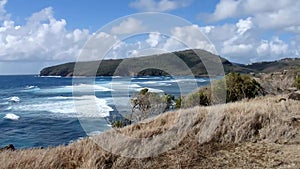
159 6
242 43
244 25
272 47
283 18
245 41
224 9
267 14
154 39
41 38
188 37
128 26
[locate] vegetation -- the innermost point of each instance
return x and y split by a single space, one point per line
297 82
178 102
118 124
181 65
238 87
136 66
147 104
256 133
297 78
280 82
275 66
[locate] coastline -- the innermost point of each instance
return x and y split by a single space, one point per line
246 116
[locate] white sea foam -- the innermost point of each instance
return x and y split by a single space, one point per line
187 80
134 86
30 87
11 116
147 78
148 82
91 106
117 86
14 99
51 76
4 103
59 98
155 83
87 87
83 106
150 90
80 88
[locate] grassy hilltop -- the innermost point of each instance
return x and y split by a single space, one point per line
257 133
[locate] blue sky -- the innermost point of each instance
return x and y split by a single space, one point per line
39 33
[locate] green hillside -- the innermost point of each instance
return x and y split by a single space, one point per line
179 63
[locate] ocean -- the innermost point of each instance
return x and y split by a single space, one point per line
41 112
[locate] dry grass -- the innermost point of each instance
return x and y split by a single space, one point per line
278 82
258 133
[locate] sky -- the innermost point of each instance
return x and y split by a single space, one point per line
39 33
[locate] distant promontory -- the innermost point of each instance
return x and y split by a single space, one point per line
186 63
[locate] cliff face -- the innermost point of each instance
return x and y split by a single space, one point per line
185 62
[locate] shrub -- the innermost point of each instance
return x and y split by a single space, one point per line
237 88
297 83
241 86
118 124
146 104
144 91
178 102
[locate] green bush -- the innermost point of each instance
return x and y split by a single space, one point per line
178 103
297 81
146 103
118 124
237 88
144 91
241 86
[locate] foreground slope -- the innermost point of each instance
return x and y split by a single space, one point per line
258 133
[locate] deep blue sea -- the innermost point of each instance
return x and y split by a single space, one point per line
40 111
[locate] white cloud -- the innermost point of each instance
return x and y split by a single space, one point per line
293 29
280 19
224 9
3 14
128 26
245 41
42 37
188 37
100 43
272 47
158 6
266 14
237 49
241 42
244 25
154 39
